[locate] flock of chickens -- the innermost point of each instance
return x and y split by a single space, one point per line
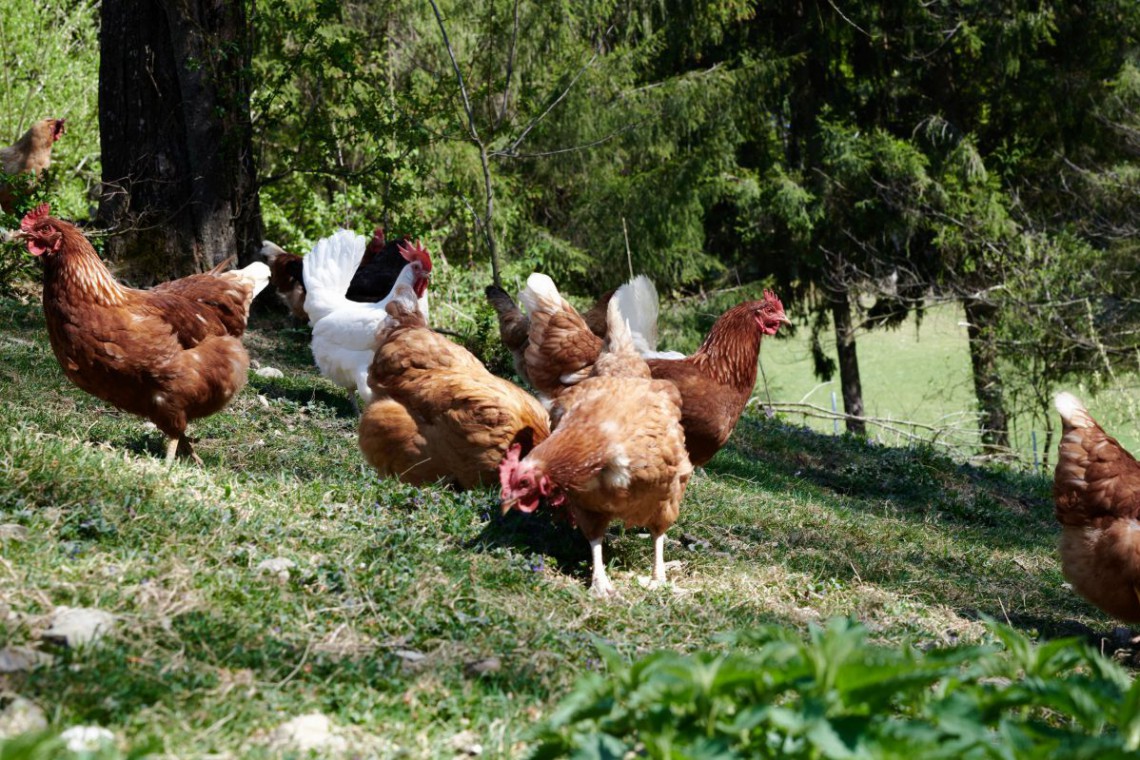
614 431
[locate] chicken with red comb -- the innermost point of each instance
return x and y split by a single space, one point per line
171 354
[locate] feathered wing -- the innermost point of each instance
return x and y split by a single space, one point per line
1096 497
215 303
1095 476
439 413
562 348
328 271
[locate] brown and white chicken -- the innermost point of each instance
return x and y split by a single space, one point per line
617 452
1096 498
171 354
438 415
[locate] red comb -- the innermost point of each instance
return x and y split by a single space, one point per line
771 299
39 212
415 252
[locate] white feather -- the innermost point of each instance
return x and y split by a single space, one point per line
1072 410
257 273
270 250
637 301
540 294
328 271
344 339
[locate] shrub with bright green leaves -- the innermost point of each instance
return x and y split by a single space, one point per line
836 695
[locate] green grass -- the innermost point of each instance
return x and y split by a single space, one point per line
786 526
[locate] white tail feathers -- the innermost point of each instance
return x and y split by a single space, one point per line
258 273
270 250
328 271
540 294
619 338
1072 411
637 300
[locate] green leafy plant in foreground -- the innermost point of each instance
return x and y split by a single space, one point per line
836 695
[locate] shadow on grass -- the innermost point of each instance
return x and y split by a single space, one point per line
916 483
1114 641
543 534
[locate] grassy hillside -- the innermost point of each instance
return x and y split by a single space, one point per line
420 621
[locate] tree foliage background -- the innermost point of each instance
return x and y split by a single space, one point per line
865 158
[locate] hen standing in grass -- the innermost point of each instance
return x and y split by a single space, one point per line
618 452
31 154
1096 497
170 354
438 414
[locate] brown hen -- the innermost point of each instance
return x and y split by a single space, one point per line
31 154
437 413
618 452
1096 497
170 354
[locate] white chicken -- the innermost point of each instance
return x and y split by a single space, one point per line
344 331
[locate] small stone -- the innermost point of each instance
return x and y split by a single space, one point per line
261 399
13 532
21 659
78 626
21 716
279 566
307 733
87 738
483 667
270 372
467 743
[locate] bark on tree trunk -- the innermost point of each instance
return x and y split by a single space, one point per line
981 318
179 180
848 362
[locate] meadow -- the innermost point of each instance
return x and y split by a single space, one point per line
420 622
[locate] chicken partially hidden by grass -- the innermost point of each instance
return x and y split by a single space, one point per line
171 354
29 155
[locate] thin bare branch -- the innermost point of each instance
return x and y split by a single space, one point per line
510 67
561 96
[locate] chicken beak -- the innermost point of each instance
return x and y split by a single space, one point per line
509 504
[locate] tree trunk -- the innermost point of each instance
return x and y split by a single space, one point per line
179 180
981 318
848 361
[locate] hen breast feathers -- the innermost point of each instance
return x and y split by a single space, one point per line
1096 496
439 414
344 331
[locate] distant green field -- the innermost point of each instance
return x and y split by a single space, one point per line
917 373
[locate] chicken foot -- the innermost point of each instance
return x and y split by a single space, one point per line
601 585
181 446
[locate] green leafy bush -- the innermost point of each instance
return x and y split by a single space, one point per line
836 695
